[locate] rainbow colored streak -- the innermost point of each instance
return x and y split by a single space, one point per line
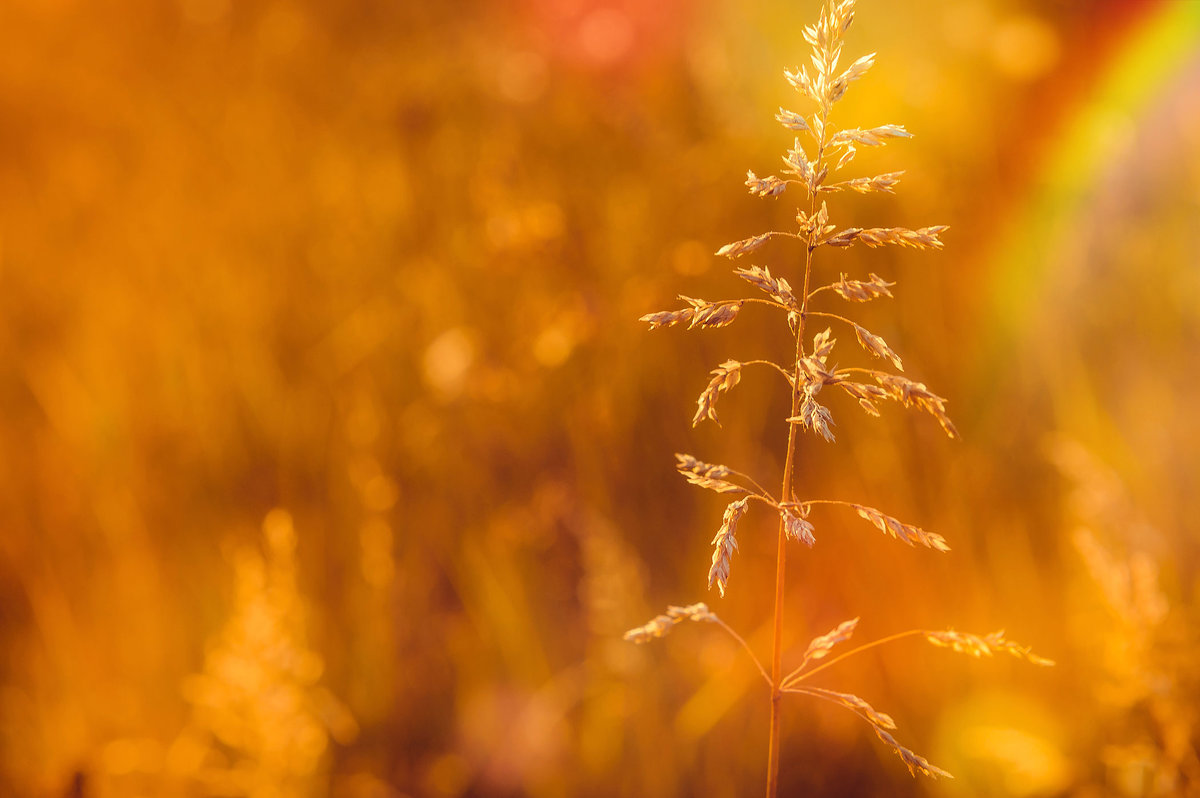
1141 76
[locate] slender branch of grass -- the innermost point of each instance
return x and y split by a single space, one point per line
817 692
831 316
766 494
787 375
862 370
819 289
748 301
797 676
807 502
760 301
767 500
746 646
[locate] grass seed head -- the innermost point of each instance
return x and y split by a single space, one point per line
726 543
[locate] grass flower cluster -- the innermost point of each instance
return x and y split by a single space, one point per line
815 166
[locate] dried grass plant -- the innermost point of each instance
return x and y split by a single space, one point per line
1140 639
813 166
261 720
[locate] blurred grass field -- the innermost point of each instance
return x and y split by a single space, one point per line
334 462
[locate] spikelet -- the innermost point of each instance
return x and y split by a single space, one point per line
707 475
796 525
797 164
842 238
880 720
814 367
802 83
770 186
655 627
877 346
848 153
710 315
865 394
915 394
702 313
823 343
687 463
976 646
875 137
915 762
884 183
815 227
826 40
853 73
791 120
901 531
725 376
775 287
814 373
821 646
726 543
668 318
862 290
925 238
743 247
814 416
658 626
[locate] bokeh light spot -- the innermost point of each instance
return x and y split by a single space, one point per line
553 346
448 360
1025 47
606 35
521 77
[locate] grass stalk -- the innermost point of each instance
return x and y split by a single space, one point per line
809 372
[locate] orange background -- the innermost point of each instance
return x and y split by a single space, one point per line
333 460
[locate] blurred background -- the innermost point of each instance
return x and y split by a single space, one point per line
335 462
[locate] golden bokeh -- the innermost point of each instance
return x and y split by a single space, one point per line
335 461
